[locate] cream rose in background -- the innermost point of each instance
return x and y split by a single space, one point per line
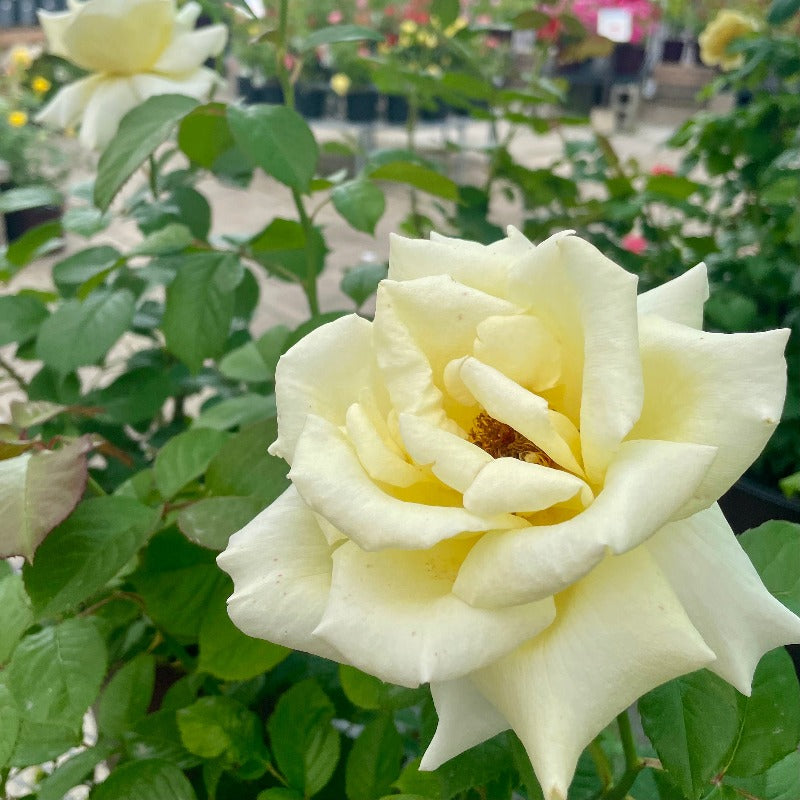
134 49
505 486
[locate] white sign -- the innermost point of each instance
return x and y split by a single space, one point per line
615 24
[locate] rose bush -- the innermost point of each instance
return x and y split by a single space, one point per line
725 28
134 49
505 486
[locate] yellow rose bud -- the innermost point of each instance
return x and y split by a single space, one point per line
340 84
408 26
427 39
458 25
719 33
40 85
17 119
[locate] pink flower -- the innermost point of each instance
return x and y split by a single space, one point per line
634 243
335 17
662 169
483 19
289 61
492 42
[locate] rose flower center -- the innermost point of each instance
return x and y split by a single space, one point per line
500 440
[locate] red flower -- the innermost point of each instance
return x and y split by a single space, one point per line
549 32
634 243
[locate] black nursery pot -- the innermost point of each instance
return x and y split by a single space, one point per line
396 109
748 504
362 105
19 222
673 51
270 92
436 113
627 60
309 100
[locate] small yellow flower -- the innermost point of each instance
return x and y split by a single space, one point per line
384 49
404 40
454 27
434 69
408 26
340 84
20 57
719 33
427 39
40 85
17 119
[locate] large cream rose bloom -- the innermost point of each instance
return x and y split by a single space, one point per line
134 49
505 485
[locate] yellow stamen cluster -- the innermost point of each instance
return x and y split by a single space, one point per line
502 441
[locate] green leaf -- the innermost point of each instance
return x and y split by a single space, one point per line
284 249
304 743
140 132
211 522
244 467
278 140
176 581
157 736
172 238
15 615
446 11
145 780
55 674
779 782
37 491
245 363
374 761
774 549
360 202
193 210
199 307
422 178
693 723
338 33
38 742
127 696
367 691
770 717
86 551
226 652
33 243
72 272
85 221
220 726
134 397
782 10
477 766
91 327
25 197
672 187
530 19
279 793
236 411
204 134
20 318
184 458
10 726
361 282
415 783
71 772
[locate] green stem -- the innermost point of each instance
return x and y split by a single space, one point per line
632 760
280 54
601 763
620 791
310 283
411 125
13 374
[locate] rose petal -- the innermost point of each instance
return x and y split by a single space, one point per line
722 594
54 24
520 566
187 16
521 348
481 267
393 615
188 50
589 304
511 485
527 413
330 478
66 107
281 567
679 300
453 460
720 389
322 374
618 633
466 718
197 84
111 100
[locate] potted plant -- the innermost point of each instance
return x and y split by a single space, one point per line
257 80
351 59
29 156
311 90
